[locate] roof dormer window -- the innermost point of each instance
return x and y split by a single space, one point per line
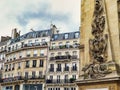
66 36
76 35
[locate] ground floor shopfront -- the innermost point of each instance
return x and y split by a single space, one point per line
24 87
99 85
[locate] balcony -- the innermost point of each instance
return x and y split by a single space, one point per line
66 69
19 67
58 69
34 66
13 68
28 55
60 81
2 50
17 78
57 58
65 47
51 69
28 46
20 56
34 55
27 66
74 57
74 68
6 70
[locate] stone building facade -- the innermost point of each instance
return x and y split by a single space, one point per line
29 60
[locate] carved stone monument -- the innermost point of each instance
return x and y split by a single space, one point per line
100 36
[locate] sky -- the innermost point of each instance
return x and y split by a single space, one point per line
38 15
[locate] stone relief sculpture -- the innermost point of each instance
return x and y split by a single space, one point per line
97 45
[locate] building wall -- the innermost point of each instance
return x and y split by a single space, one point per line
55 51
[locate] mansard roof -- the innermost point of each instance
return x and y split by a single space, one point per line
65 36
34 34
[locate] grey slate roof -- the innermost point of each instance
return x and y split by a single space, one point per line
61 36
34 34
3 43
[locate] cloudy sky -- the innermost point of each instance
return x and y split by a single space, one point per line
38 15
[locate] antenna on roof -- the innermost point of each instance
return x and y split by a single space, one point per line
32 30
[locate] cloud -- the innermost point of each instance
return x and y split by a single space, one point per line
38 14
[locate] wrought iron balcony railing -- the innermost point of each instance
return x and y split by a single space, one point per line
60 57
60 81
17 78
28 45
64 47
51 69
58 69
74 68
66 69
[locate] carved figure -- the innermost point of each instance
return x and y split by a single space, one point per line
97 45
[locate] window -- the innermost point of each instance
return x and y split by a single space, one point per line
20 55
59 53
28 53
66 78
16 46
26 74
55 37
36 42
6 67
9 67
2 66
51 68
30 43
41 52
67 44
13 48
73 88
33 74
49 88
74 66
22 44
43 40
67 53
53 45
52 54
13 66
66 88
40 73
74 53
27 64
58 67
19 73
19 64
9 49
12 75
76 35
5 76
74 76
51 65
41 63
51 77
60 44
58 78
66 36
35 53
34 63
14 56
66 67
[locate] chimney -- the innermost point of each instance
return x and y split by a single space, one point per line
5 38
53 28
15 34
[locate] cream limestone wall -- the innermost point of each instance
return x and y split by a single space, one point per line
112 15
112 29
86 20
